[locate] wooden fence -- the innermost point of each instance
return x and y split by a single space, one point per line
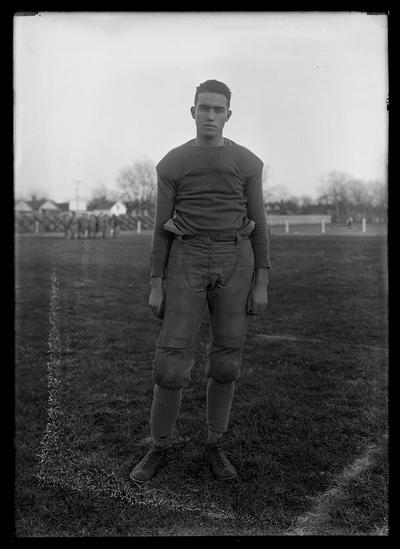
56 222
298 219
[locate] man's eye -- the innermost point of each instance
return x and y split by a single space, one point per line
204 108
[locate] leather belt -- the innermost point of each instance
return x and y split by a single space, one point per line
216 237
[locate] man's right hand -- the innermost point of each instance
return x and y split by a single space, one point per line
157 296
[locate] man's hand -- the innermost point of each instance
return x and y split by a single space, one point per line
258 300
258 297
157 296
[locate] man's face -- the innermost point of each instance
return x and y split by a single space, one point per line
210 113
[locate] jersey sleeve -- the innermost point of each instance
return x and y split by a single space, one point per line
256 212
161 239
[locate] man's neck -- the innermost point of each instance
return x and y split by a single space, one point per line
213 142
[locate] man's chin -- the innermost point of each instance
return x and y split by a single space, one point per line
210 134
210 130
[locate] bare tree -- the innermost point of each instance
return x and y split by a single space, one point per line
379 194
378 191
352 195
100 197
137 182
358 195
101 191
305 201
276 193
334 190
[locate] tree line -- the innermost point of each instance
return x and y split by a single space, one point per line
339 194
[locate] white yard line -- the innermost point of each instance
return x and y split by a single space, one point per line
311 522
104 483
287 337
50 437
71 475
85 259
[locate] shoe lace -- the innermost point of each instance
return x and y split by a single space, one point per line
220 457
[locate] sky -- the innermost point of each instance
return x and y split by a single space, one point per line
95 92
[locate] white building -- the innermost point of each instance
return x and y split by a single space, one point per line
118 208
22 206
48 206
77 206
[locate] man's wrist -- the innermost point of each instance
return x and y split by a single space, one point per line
156 281
261 278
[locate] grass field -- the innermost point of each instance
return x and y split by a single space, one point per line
308 431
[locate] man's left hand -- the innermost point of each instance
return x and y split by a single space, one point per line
258 299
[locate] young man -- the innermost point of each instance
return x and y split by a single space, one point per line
74 226
210 245
92 226
100 225
114 226
106 226
67 225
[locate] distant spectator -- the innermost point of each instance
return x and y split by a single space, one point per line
67 226
86 225
92 226
106 226
349 222
100 225
73 226
79 220
115 226
83 225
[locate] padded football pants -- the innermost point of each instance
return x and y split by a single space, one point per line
203 271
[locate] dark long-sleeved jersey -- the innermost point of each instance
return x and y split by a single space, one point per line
209 190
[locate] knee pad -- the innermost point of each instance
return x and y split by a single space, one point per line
224 363
172 366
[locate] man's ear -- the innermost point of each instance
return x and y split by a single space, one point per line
228 115
192 110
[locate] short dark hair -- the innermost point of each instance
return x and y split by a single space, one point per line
213 86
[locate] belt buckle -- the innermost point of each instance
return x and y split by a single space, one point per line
223 237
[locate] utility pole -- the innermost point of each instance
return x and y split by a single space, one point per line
76 193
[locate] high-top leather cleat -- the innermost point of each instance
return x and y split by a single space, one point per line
219 464
149 464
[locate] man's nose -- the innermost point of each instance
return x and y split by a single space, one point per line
210 114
